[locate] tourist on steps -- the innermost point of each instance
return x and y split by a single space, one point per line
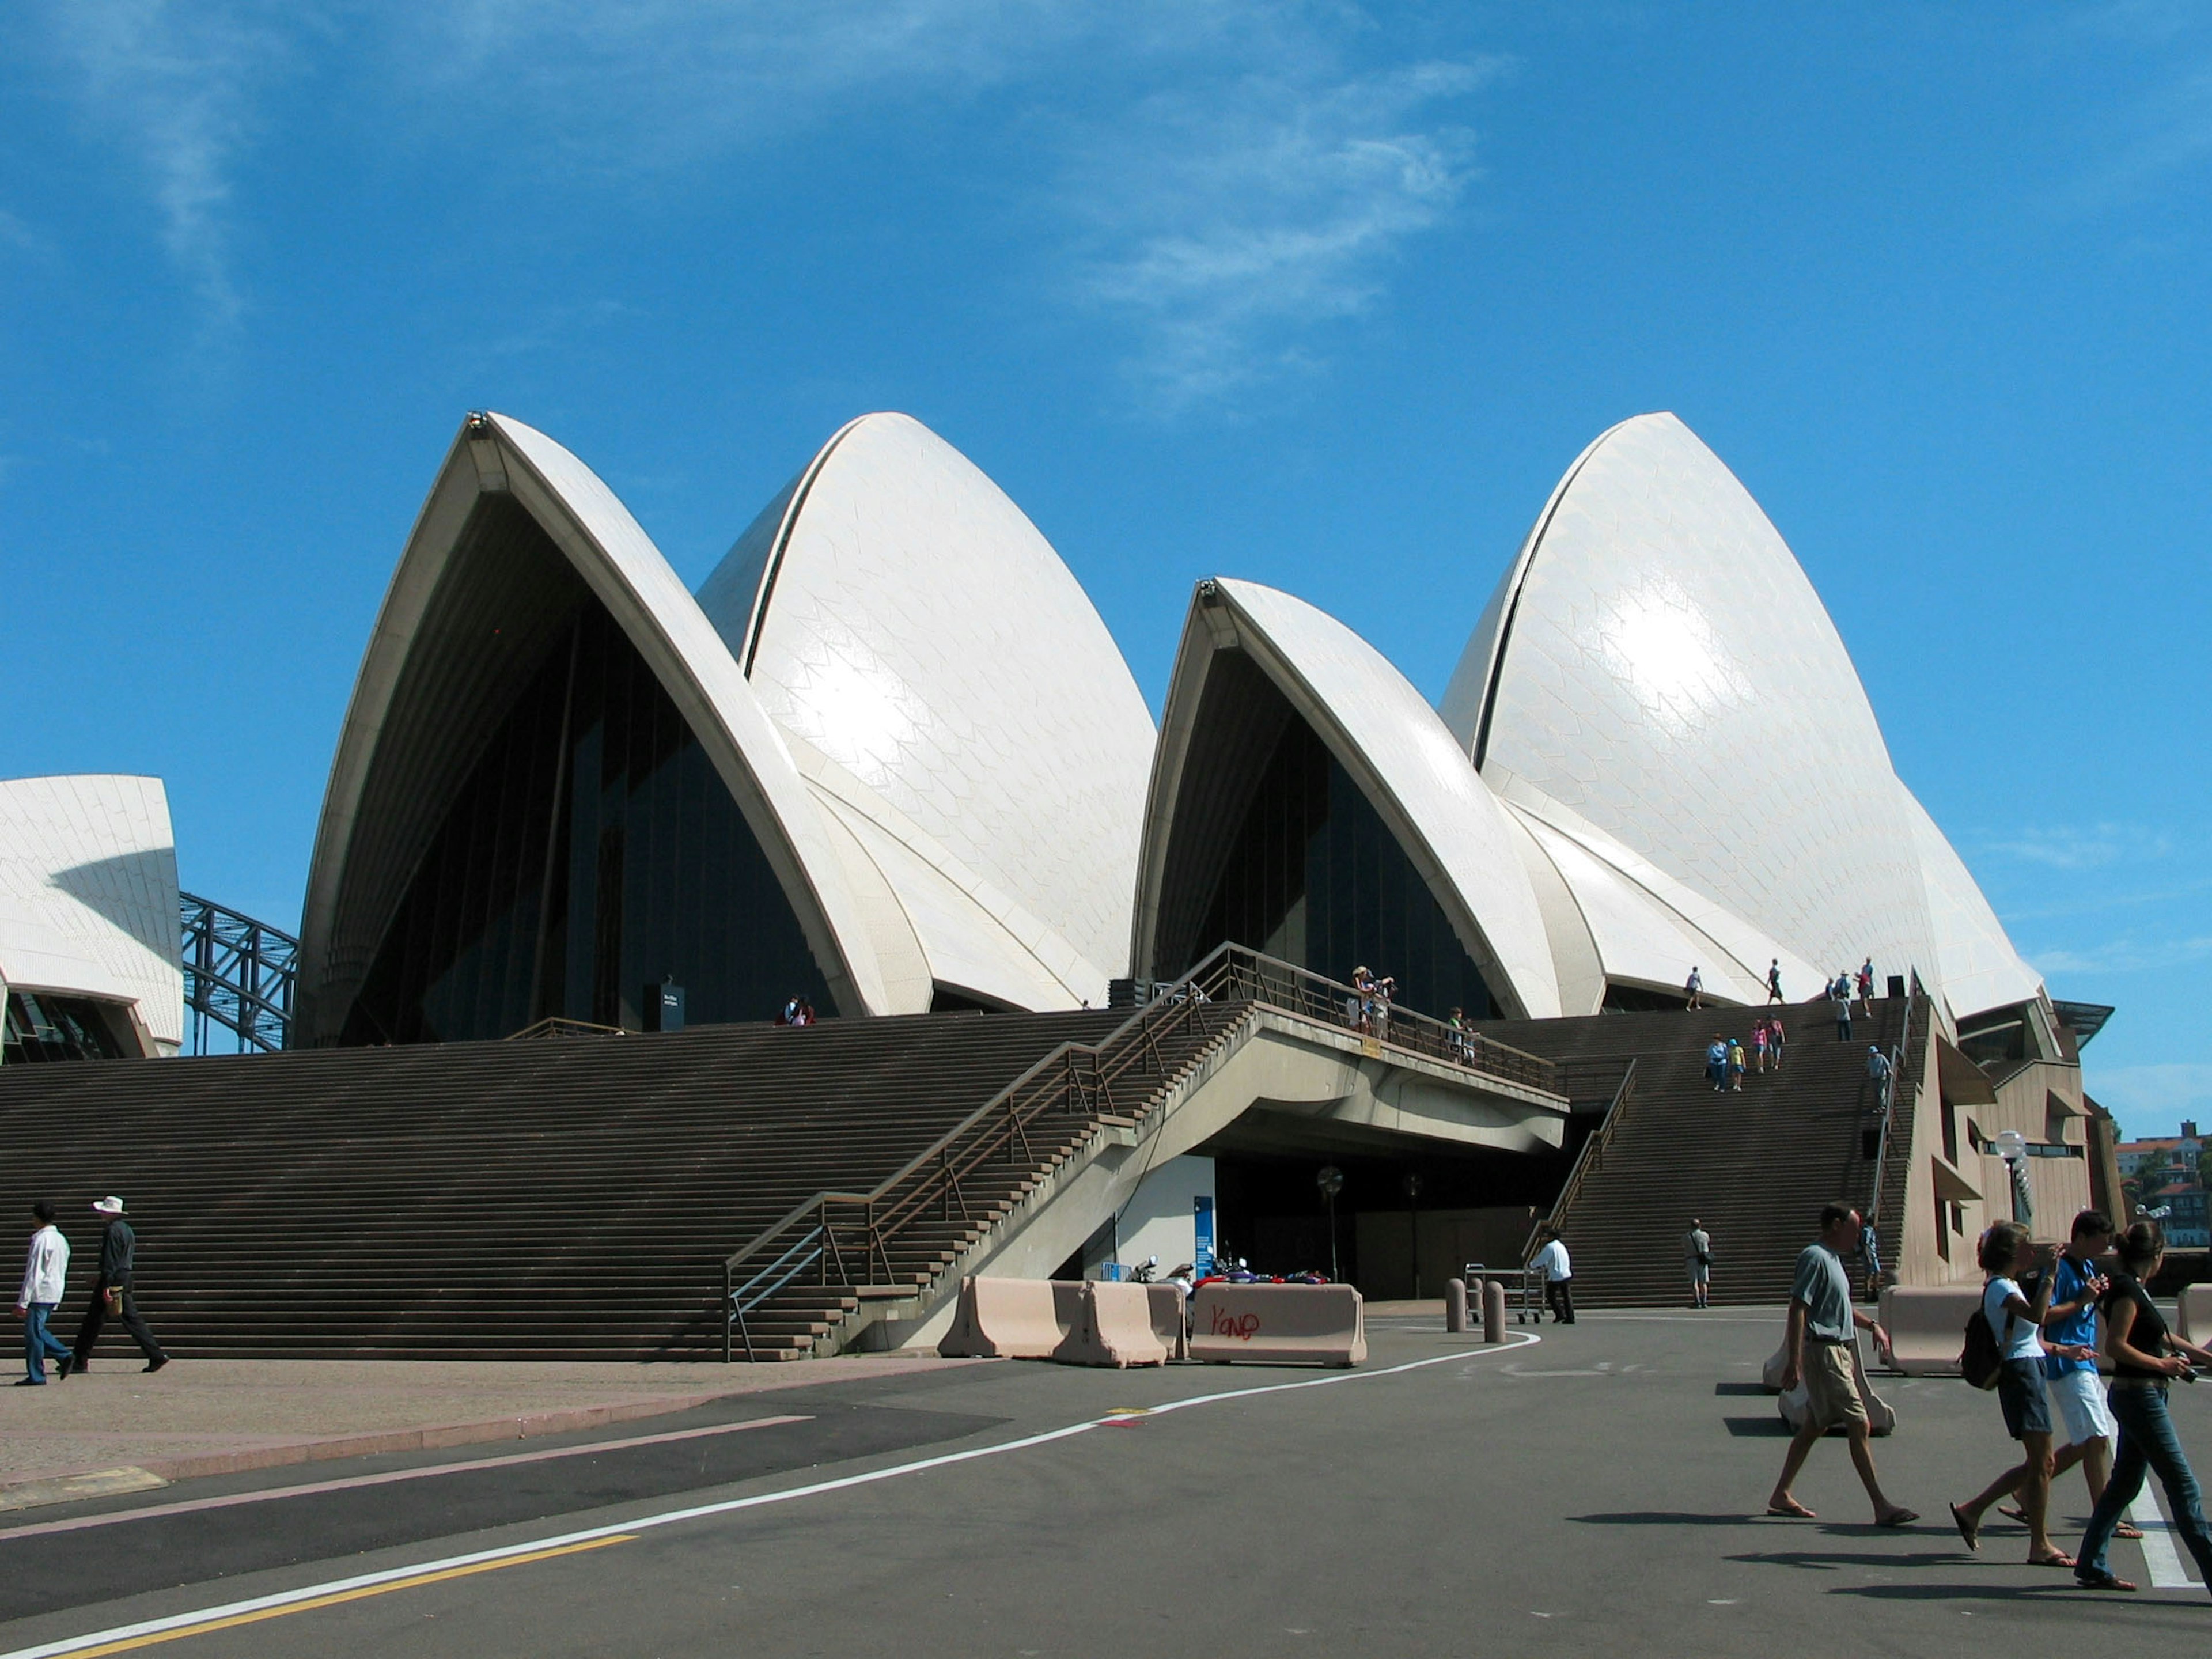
1558 1277
111 1293
1866 985
1700 1244
1774 1036
1839 993
1774 982
1758 1044
1736 1066
46 1270
1822 1332
1716 1062
1693 987
2146 1356
2017 1321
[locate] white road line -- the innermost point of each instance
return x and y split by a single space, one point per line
2162 1560
671 1517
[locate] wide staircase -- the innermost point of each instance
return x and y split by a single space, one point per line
1754 1168
567 1199
581 1197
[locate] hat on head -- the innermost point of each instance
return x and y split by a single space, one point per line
109 1205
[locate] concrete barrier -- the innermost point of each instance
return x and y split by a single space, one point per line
1881 1417
1114 1326
1169 1323
1927 1326
1455 1304
1493 1311
1313 1324
1012 1319
2193 1311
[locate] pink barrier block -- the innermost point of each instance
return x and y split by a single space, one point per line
1168 1322
1927 1326
1313 1324
1010 1319
2194 1309
1115 1328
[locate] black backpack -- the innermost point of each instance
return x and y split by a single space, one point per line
1983 1358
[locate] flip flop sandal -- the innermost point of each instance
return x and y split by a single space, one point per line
2123 1530
2061 1560
1898 1518
1797 1513
1967 1530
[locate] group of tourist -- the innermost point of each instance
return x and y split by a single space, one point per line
2049 1314
45 1272
1368 1007
1727 1059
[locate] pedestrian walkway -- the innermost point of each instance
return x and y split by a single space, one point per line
220 1416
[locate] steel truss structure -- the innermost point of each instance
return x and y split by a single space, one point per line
240 973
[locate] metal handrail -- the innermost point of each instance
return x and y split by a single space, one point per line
1897 1082
1058 1083
1591 1156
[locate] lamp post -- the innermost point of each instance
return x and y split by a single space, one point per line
1413 1227
1330 1180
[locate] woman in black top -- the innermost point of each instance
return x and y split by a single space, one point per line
2145 1356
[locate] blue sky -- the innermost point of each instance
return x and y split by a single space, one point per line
1322 294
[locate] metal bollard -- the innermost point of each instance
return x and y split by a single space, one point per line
1454 1306
1493 1311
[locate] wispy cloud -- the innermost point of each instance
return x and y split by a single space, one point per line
2083 846
179 84
2125 956
2161 1093
1217 181
1232 219
2164 126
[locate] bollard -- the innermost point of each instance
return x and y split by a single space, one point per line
1454 1306
1493 1311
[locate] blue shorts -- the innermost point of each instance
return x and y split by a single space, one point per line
2020 1392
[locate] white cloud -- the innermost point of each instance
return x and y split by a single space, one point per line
1226 220
2147 1098
1218 179
2125 956
179 84
2084 847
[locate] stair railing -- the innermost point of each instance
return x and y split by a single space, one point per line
1896 1081
1591 1157
1074 1084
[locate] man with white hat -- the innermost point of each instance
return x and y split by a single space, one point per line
111 1293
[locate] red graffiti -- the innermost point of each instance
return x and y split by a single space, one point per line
1241 1327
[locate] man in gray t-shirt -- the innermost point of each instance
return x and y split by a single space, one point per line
1699 1246
1821 1347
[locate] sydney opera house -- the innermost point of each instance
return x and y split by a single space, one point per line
887 759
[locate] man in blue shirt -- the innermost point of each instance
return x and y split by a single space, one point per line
1822 1341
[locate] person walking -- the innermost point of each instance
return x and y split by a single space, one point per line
1839 993
1700 1244
1693 988
2077 1285
1716 1062
1558 1277
1774 1036
2146 1358
1736 1066
1774 982
1821 1334
1877 1073
1866 985
1870 1258
2017 1322
45 1271
111 1293
1758 1044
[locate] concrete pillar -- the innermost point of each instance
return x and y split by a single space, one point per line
1455 1304
1493 1311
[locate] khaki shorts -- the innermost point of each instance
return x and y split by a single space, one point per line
1832 1392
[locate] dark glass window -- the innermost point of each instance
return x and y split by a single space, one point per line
39 1028
1314 876
593 850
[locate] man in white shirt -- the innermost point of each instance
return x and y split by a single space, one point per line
46 1270
1558 1277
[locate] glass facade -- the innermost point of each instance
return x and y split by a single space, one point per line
1314 876
39 1028
592 851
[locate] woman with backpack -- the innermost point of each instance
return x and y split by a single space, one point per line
2146 1358
2017 1324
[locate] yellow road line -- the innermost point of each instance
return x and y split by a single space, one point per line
333 1600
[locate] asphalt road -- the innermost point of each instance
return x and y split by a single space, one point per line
1598 1491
